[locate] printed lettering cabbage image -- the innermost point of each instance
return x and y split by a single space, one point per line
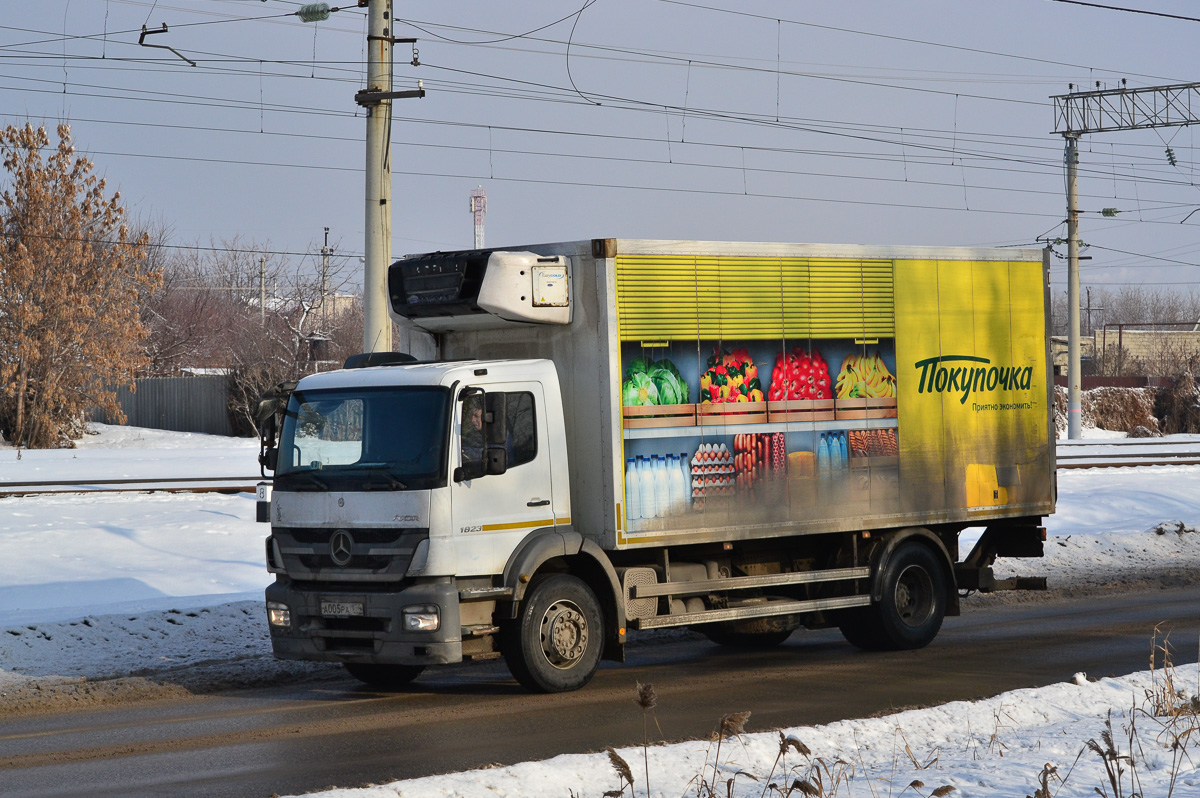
658 383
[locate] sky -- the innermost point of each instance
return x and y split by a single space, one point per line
924 122
97 585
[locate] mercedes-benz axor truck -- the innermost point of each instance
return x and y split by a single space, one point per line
621 435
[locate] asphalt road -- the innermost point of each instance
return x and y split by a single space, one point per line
332 732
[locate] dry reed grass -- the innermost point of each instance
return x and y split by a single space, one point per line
1168 718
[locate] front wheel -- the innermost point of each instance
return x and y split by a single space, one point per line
554 645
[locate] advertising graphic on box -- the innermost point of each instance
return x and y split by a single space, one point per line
791 391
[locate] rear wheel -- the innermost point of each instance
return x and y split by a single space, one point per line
554 645
384 677
860 628
913 605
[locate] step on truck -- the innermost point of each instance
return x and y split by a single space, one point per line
623 435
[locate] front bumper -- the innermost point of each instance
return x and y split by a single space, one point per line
378 635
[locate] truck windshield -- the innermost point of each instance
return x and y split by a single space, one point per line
391 438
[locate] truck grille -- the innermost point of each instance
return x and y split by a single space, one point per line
316 562
348 555
319 537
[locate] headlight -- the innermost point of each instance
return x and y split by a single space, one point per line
422 618
278 614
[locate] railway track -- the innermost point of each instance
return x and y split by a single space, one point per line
135 485
1127 453
1069 455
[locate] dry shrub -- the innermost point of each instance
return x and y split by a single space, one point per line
1060 410
1118 409
1178 407
1121 409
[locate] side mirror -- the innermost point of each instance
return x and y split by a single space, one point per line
267 429
268 455
485 445
497 460
273 401
496 429
471 469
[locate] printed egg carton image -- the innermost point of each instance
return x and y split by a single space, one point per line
713 473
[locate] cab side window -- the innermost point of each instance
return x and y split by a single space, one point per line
472 428
522 428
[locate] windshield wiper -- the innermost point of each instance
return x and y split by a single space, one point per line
313 483
386 481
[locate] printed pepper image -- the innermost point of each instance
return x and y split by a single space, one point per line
733 375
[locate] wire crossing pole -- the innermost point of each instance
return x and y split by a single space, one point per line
326 251
376 98
1074 391
1100 111
377 327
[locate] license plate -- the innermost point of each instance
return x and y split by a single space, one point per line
341 608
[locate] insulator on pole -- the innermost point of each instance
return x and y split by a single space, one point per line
313 12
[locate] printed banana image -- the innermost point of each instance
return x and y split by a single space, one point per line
864 376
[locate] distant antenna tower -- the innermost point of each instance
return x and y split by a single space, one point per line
478 209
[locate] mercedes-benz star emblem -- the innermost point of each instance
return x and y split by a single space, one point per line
341 546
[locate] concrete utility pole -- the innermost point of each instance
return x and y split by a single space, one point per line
478 209
262 291
1100 111
326 251
1091 327
377 327
1074 392
376 98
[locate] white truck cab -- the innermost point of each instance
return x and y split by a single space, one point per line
400 488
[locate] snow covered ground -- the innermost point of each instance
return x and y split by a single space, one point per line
104 589
994 748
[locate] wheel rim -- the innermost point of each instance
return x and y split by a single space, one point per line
564 634
914 596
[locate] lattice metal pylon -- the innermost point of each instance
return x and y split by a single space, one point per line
1105 110
1101 111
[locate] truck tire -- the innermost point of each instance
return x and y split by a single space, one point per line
748 640
912 608
554 644
384 677
860 627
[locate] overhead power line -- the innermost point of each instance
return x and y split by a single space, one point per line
922 42
1129 10
164 245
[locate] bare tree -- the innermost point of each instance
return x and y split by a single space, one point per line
71 280
1128 311
237 306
